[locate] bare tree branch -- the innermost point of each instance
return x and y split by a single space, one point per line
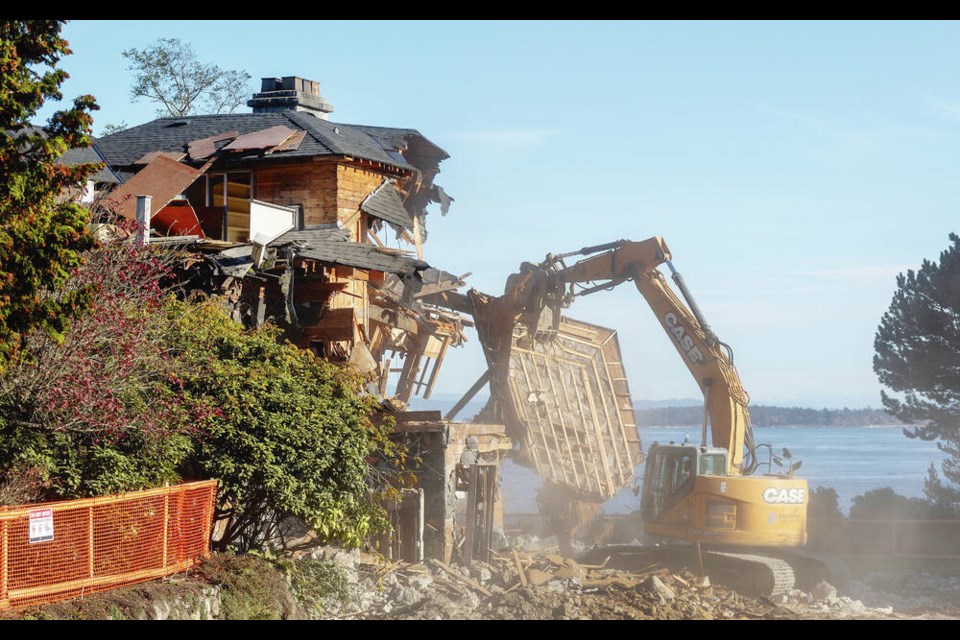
168 72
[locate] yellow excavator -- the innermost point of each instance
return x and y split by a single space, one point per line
707 493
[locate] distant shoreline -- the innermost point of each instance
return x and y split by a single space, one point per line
769 416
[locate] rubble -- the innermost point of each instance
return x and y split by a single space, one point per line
520 583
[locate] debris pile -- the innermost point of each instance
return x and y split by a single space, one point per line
543 585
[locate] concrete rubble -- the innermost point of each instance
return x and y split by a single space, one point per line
542 585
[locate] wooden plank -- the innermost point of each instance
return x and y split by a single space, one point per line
417 240
436 368
262 139
384 377
336 324
393 318
471 514
520 571
420 416
472 391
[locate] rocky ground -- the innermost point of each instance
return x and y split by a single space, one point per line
539 584
526 580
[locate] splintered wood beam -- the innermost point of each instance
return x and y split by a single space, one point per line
450 300
384 376
468 396
417 239
371 234
436 367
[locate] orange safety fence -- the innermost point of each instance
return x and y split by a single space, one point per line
57 550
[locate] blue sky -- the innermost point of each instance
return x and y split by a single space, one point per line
794 168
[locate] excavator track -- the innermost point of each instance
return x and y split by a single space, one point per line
812 568
749 573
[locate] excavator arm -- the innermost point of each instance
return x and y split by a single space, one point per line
721 503
541 291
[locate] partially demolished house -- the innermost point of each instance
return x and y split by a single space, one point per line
292 215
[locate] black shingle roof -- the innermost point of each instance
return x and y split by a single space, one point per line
390 137
385 203
331 244
323 138
88 155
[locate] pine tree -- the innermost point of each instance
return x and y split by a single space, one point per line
917 358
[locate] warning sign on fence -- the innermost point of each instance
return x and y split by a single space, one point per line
41 525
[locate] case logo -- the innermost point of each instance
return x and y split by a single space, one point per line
773 495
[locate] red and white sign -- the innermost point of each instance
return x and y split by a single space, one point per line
41 525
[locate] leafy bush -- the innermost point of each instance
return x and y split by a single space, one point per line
291 436
317 583
824 504
886 504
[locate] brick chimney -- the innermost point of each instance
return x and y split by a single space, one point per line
290 93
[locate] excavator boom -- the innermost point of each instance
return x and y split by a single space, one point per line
698 492
709 360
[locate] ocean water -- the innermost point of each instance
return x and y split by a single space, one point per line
850 460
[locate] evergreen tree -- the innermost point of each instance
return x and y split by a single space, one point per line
918 359
41 237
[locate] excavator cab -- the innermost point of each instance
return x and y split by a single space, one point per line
670 474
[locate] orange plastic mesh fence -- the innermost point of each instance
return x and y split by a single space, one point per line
57 550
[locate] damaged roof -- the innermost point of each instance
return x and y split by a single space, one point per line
322 138
332 244
384 202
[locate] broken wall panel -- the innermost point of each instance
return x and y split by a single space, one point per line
570 395
177 219
313 187
163 179
447 451
269 221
